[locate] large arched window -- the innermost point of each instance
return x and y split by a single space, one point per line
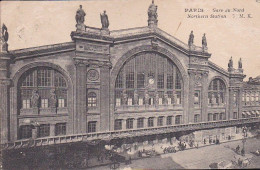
47 85
216 92
148 79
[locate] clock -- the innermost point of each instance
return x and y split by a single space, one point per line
151 81
93 75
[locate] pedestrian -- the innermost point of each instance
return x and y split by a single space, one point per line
242 152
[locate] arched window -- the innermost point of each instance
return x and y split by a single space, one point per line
148 79
92 100
216 92
47 84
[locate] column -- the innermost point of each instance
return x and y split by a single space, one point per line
4 110
230 104
145 122
155 120
80 114
204 97
104 97
189 117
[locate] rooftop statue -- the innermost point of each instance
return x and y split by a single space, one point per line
240 63
204 41
80 18
4 38
230 63
80 15
191 38
104 20
152 14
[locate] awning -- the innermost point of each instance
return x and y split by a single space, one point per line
252 113
257 112
248 113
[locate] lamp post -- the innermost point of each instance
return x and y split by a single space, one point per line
244 129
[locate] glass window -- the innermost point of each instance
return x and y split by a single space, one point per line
25 132
160 81
44 79
61 103
150 122
92 127
137 71
140 123
216 92
26 104
44 103
215 116
169 120
140 101
60 129
235 115
160 121
129 123
92 100
210 117
160 101
118 102
129 101
44 130
140 80
196 118
118 124
178 119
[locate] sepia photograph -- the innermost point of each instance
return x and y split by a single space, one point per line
130 84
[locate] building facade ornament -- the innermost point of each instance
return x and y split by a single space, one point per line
35 99
4 38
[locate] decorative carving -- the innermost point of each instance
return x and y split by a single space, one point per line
198 79
196 60
53 99
35 99
154 43
93 75
96 48
104 20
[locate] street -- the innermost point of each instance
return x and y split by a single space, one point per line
199 158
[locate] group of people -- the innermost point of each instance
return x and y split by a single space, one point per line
238 150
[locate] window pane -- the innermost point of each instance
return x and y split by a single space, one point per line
60 129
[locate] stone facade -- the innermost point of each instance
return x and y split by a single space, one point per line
90 65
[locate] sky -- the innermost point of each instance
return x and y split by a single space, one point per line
32 24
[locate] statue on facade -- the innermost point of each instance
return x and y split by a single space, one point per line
191 39
104 20
4 38
230 63
240 63
80 18
165 98
35 99
204 41
135 97
152 14
157 98
147 96
124 97
53 98
174 97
